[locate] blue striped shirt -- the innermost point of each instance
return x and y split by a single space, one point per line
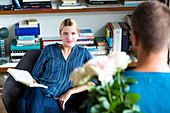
53 70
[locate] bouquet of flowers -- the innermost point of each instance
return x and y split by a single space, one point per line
110 94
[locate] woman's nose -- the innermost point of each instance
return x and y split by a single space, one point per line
69 36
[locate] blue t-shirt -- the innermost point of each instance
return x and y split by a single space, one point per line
154 90
52 70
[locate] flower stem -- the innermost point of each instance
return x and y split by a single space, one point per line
119 82
109 93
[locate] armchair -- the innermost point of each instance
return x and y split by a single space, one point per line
13 90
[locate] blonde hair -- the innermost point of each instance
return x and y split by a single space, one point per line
68 22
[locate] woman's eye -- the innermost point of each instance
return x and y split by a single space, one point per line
73 33
65 33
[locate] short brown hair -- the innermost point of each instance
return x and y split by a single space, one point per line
68 22
151 24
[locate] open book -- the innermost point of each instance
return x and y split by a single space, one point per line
24 77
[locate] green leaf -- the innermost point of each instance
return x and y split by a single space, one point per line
115 103
91 88
100 90
115 85
126 87
136 108
117 92
104 101
106 104
123 79
131 81
111 82
132 98
101 99
128 111
95 109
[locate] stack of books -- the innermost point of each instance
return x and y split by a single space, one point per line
36 4
117 36
27 32
86 36
6 5
87 40
2 48
69 4
102 46
50 40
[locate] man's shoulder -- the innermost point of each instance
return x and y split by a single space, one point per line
138 74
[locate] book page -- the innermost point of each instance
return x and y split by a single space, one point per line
37 85
24 77
21 75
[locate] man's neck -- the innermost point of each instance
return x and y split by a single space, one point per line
155 62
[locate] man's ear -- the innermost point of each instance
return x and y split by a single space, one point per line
134 39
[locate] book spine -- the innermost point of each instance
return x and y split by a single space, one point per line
2 48
25 41
13 46
35 0
17 4
17 54
48 42
111 44
13 60
85 41
37 3
6 7
128 20
109 35
36 6
86 37
26 37
27 31
85 34
131 4
110 41
125 36
117 37
103 2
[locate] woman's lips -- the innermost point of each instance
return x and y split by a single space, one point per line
69 42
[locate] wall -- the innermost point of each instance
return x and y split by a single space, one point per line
49 23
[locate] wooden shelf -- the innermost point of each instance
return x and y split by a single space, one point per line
43 11
132 64
4 69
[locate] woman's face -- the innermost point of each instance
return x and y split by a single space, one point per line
69 36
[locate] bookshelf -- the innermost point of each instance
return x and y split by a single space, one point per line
58 13
45 11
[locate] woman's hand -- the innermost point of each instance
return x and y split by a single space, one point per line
34 81
63 99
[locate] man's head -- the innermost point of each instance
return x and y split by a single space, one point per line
151 26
